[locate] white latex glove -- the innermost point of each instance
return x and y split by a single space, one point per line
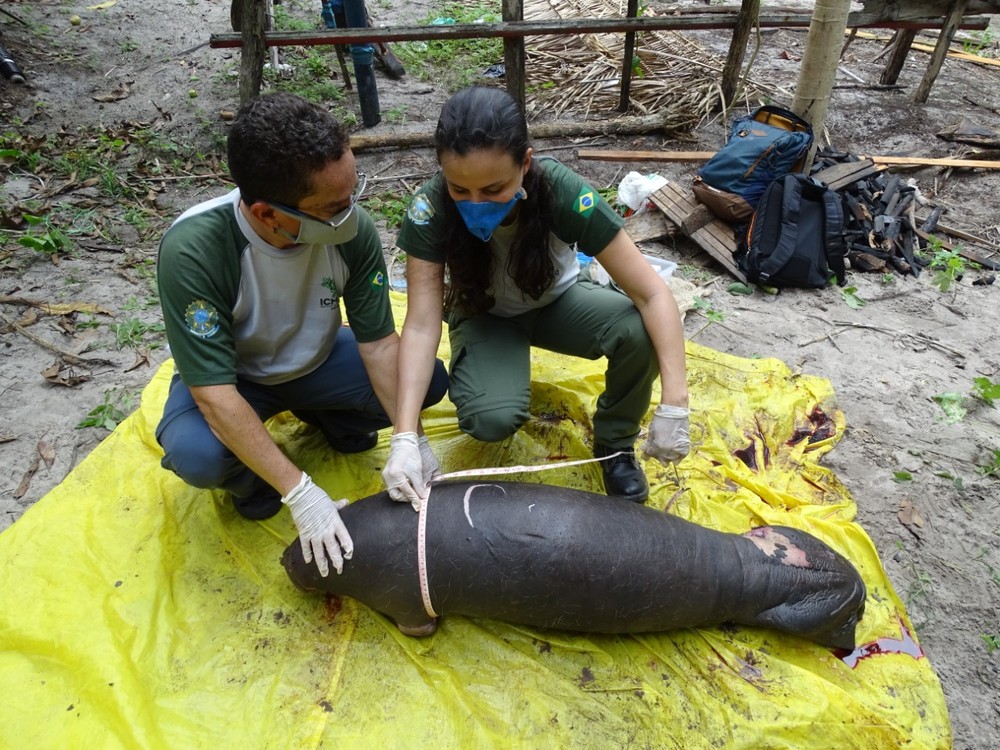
431 467
404 471
668 438
321 532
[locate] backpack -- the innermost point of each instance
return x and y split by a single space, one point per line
796 235
762 146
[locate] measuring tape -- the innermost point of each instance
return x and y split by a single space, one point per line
500 470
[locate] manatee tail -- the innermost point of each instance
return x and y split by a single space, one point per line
824 594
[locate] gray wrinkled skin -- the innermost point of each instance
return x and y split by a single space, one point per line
558 558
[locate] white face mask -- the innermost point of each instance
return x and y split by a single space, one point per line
340 229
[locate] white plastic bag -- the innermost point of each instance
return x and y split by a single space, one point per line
635 189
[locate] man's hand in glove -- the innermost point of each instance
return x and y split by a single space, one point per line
321 532
668 438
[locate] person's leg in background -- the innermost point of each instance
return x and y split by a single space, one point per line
591 321
490 376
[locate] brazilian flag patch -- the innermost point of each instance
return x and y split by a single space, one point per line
585 202
377 279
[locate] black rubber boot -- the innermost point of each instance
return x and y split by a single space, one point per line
263 502
623 477
364 75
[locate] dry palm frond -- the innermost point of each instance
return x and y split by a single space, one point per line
581 74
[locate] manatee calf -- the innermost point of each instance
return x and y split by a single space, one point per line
559 558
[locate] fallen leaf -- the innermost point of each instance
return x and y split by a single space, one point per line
56 375
141 358
65 308
25 484
103 6
7 438
47 453
909 515
116 95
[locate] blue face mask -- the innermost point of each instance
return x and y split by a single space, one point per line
482 219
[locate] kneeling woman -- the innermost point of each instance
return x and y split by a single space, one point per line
504 228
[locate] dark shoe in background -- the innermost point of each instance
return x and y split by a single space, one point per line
623 477
348 444
264 502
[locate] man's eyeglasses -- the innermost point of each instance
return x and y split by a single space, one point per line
338 218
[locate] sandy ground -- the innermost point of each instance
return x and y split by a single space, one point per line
888 360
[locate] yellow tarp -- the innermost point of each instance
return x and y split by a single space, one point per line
142 613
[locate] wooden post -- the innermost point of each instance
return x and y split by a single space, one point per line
940 50
819 65
901 42
745 21
252 15
623 100
513 52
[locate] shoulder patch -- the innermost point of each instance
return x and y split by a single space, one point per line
377 279
585 202
421 210
202 319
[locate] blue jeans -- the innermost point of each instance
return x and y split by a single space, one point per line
337 397
354 16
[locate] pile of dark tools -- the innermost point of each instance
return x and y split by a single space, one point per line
881 225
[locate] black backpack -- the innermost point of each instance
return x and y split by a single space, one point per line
796 235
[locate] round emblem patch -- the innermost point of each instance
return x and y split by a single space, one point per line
202 319
420 210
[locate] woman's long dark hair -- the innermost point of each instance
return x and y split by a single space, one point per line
478 118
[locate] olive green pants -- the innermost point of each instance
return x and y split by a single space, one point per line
490 373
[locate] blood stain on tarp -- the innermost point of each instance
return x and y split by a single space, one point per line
748 455
902 645
821 427
333 606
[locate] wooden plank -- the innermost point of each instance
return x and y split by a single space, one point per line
843 174
716 238
679 19
919 46
648 226
590 154
921 161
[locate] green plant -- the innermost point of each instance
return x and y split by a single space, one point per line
390 206
454 63
948 265
957 482
986 390
992 642
901 476
978 42
953 406
705 308
921 581
132 333
992 467
396 115
47 239
888 278
850 296
113 409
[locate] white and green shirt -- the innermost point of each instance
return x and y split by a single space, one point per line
236 306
